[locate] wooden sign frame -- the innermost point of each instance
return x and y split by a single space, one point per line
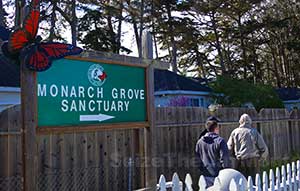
30 129
103 126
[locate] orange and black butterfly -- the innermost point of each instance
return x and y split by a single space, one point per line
25 43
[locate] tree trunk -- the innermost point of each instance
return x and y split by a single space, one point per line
285 63
276 70
137 38
218 44
172 39
2 19
153 29
137 31
155 45
280 60
74 23
257 74
243 47
268 72
115 48
53 19
200 63
118 40
229 66
174 56
257 68
141 29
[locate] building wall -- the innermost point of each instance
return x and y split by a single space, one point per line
9 97
183 100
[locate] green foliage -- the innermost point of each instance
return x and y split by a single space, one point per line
254 40
233 92
97 28
272 164
93 33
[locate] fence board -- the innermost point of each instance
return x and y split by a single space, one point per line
69 161
93 173
4 142
4 159
43 162
100 156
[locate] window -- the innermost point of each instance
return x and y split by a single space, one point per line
202 102
195 102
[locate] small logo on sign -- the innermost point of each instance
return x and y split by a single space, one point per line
96 75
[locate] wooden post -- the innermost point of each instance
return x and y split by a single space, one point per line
19 5
28 114
147 45
29 123
150 132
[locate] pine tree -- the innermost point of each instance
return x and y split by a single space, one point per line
100 27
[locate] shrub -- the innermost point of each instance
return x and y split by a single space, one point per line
235 93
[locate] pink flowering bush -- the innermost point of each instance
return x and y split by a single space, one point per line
179 101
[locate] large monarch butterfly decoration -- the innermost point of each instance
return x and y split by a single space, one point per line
27 46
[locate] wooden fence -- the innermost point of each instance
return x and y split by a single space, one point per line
179 130
287 179
101 160
73 161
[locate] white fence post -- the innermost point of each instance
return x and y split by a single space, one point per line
176 183
272 182
289 177
162 183
188 183
250 184
202 183
257 182
278 180
265 181
294 182
298 174
283 174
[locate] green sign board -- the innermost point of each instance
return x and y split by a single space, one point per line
79 92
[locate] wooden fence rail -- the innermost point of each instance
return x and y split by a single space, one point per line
285 179
100 159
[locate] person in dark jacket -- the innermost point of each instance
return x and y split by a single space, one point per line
212 152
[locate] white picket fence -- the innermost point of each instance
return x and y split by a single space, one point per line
285 179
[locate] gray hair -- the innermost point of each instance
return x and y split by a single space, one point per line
245 120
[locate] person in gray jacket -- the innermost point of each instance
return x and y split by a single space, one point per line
212 152
247 146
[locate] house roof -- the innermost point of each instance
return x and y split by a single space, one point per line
203 81
166 80
286 94
9 73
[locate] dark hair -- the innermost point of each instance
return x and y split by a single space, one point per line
213 118
211 125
